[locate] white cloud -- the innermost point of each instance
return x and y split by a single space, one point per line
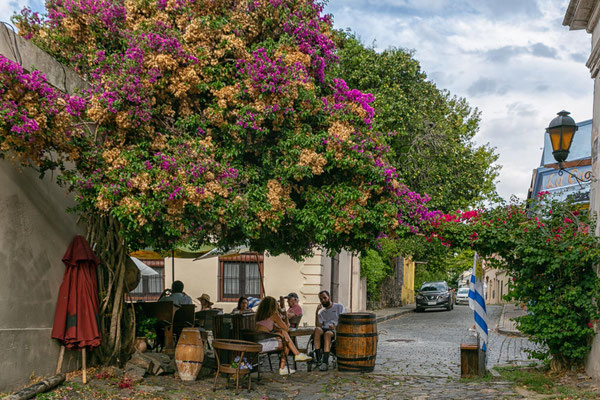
513 60
10 7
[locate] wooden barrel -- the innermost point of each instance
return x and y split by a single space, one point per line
189 354
356 343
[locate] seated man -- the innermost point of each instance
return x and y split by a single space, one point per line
176 296
328 314
294 311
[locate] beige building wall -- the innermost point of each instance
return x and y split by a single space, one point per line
35 231
282 275
585 14
496 283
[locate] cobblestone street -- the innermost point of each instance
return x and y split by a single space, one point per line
428 343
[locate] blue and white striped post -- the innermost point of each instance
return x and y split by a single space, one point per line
477 301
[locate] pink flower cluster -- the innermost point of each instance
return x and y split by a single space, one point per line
271 76
15 117
305 27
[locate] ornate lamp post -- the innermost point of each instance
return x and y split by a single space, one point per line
561 130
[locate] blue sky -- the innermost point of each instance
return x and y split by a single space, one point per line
512 59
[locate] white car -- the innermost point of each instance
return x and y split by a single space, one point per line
462 296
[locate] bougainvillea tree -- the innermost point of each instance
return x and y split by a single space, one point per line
206 121
550 250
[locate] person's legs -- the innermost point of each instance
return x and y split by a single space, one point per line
289 343
317 338
283 360
317 343
328 337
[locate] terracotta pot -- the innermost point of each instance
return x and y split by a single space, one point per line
141 344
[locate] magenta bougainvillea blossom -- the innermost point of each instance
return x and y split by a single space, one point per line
208 121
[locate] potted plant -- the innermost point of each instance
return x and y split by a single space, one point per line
144 332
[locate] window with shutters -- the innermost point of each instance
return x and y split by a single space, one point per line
240 276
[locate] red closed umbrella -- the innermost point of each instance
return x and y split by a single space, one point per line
77 310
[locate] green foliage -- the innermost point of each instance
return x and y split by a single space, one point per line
433 144
550 250
376 264
145 326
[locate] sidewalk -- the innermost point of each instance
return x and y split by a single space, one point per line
507 325
389 313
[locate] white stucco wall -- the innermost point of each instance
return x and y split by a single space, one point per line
35 231
282 275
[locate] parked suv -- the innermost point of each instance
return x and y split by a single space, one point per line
434 295
462 297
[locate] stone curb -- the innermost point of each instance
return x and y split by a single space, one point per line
501 329
394 315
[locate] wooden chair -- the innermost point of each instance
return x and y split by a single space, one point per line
241 322
295 322
256 336
164 312
205 319
183 318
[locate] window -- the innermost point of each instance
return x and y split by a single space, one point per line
150 286
240 276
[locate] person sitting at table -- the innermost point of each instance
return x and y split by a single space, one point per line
242 306
176 295
205 302
294 311
328 314
268 320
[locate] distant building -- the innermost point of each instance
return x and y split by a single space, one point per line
464 278
495 283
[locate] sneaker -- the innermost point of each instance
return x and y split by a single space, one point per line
302 357
284 371
323 367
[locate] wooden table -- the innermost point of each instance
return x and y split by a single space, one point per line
240 347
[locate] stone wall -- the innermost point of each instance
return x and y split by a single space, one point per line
35 231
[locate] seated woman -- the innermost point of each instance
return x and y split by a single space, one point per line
242 306
268 320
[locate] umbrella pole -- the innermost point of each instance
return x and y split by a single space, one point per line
84 366
60 359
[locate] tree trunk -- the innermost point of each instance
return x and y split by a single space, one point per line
117 320
37 388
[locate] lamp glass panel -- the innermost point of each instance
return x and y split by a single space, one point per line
567 137
555 138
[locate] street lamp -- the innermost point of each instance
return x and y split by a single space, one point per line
561 131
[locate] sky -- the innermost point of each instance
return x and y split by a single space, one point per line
511 59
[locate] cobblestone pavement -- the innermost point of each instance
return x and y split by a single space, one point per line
301 386
428 343
417 358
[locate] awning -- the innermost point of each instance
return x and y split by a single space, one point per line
145 270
